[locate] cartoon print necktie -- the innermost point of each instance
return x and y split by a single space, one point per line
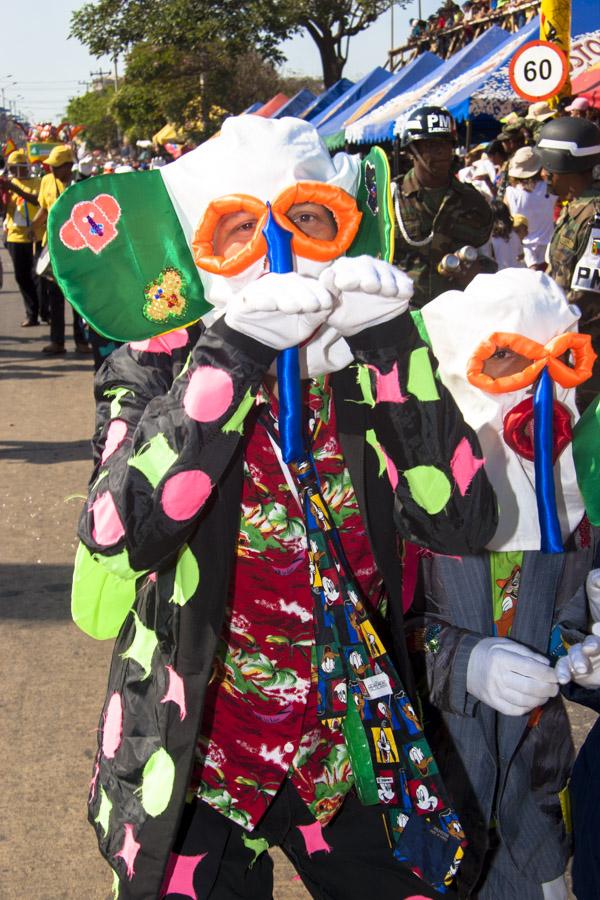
360 692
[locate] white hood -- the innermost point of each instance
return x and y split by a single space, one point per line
524 302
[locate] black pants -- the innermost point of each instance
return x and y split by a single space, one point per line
22 260
354 863
57 317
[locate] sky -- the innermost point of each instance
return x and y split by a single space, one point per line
41 69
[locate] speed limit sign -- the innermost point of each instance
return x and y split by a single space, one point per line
538 70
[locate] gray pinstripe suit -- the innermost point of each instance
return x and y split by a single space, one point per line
499 770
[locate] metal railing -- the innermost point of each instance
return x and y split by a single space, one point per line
446 41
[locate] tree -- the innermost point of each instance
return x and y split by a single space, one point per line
331 24
94 111
111 27
194 91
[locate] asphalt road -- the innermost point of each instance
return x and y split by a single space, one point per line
52 676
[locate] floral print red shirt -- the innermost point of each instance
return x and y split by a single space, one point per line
260 722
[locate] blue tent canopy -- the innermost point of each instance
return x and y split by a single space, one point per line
419 68
585 16
326 98
379 125
297 105
457 98
357 91
253 107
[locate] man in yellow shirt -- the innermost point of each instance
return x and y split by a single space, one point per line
52 185
20 208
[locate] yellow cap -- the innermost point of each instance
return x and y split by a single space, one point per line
17 158
519 219
58 156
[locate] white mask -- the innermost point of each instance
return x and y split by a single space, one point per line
276 155
518 301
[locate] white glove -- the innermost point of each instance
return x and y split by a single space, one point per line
582 662
368 292
555 890
509 677
592 589
280 310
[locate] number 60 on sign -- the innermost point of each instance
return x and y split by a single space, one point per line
538 70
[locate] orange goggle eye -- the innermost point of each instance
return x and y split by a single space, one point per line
566 376
339 203
215 217
229 211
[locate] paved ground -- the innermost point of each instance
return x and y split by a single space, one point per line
52 676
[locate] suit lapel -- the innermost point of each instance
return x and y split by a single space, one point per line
532 625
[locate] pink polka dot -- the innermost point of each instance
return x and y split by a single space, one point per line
209 394
164 343
388 386
117 431
107 528
185 493
113 726
392 471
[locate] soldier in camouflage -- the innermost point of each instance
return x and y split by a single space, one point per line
570 148
435 213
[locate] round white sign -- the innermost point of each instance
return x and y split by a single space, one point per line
538 70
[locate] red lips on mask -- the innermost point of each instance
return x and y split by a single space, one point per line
518 429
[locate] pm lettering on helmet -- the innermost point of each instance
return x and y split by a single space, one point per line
438 122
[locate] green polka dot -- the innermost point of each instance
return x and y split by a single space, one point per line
142 647
255 845
104 811
236 422
154 459
363 379
371 439
117 565
429 487
117 394
157 782
187 577
421 383
102 592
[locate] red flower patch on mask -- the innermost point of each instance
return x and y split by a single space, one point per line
92 224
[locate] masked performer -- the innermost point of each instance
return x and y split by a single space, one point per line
490 626
242 701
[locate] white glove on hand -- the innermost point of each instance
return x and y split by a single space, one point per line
592 589
509 677
368 292
280 310
582 662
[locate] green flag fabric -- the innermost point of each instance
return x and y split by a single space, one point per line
121 258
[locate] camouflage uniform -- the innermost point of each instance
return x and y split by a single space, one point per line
456 215
568 244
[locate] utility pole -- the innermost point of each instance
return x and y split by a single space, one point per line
116 73
101 75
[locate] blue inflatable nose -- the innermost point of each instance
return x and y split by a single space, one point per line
279 254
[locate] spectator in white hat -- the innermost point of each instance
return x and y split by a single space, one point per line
578 108
526 196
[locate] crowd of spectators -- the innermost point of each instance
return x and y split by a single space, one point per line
454 26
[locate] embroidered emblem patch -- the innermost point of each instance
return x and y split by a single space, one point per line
165 297
371 185
92 224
